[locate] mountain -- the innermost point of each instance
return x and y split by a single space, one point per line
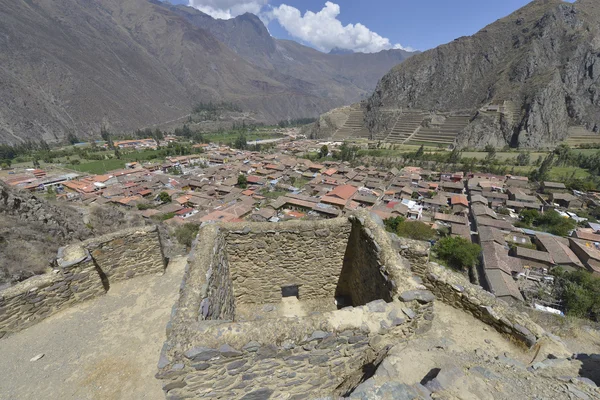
71 66
525 80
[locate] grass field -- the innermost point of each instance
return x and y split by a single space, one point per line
99 167
229 137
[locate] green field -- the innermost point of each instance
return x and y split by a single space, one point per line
99 167
230 137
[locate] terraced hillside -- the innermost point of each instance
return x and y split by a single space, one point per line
440 134
578 136
353 127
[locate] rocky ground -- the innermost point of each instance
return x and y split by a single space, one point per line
106 348
462 358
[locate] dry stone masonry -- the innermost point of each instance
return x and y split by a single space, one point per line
308 353
81 271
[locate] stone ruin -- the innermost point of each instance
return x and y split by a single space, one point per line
301 309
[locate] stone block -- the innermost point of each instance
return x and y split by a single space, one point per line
228 351
442 379
201 354
422 296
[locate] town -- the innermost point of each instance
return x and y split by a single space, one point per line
503 214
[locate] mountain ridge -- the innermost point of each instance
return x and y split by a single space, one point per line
75 66
541 59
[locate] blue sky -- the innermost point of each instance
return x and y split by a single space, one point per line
421 25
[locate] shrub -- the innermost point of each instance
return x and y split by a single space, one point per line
410 229
458 252
164 197
186 234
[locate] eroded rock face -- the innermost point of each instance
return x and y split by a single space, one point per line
543 59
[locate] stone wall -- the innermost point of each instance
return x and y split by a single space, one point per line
128 253
363 278
321 354
218 302
265 259
78 275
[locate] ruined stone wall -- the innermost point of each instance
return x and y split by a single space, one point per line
263 260
219 301
79 276
363 278
298 357
128 253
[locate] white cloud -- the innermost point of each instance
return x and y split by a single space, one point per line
324 31
226 9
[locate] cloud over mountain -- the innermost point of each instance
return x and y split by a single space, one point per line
325 31
321 29
227 9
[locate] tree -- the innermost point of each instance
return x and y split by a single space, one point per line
72 139
164 197
563 154
420 152
241 142
242 181
410 229
491 152
529 216
107 137
455 156
324 152
186 234
541 174
117 153
524 158
458 252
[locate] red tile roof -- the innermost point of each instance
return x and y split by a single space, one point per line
343 192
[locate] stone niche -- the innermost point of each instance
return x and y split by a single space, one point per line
297 309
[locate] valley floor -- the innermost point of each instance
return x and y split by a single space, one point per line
105 349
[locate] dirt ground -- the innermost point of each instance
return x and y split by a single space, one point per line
106 348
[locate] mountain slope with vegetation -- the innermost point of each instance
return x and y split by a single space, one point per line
542 60
74 66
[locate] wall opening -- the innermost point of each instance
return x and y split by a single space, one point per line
290 291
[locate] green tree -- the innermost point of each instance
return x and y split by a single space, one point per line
455 156
529 216
415 230
541 174
242 181
524 158
241 142
186 234
164 197
324 152
107 137
410 229
420 152
458 252
491 152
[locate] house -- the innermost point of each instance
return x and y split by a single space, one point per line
453 187
435 204
586 234
479 199
553 187
566 200
498 272
588 253
459 204
535 257
186 212
461 231
340 195
494 223
489 234
559 250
